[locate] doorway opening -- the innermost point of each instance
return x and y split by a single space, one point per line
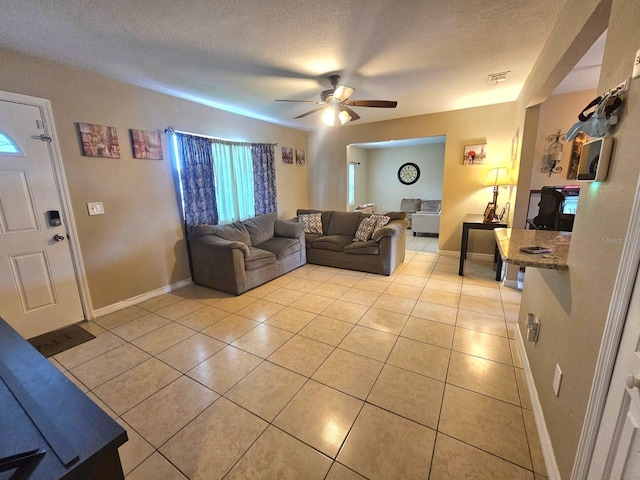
376 177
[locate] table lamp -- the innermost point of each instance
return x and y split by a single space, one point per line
497 177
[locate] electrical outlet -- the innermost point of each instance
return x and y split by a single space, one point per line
533 327
557 380
95 208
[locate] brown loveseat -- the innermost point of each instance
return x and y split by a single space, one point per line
238 257
336 247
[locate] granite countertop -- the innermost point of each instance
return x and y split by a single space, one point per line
510 240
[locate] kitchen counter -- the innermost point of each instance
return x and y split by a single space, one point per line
510 240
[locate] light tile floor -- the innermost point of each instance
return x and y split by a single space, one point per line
322 373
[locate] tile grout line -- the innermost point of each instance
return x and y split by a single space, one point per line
334 348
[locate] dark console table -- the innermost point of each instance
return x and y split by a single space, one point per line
475 222
49 429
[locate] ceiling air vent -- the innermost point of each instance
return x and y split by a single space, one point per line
496 78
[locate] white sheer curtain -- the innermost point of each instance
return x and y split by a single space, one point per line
234 181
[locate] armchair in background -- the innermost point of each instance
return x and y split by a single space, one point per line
410 206
427 219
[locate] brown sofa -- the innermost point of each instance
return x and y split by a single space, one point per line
238 257
335 246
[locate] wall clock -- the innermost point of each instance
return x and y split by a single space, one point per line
409 173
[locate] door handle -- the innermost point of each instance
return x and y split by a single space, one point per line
632 382
58 238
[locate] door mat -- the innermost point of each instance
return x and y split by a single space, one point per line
60 340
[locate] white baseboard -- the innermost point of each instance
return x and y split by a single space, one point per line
140 298
545 440
485 257
512 284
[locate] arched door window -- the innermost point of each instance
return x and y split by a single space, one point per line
8 146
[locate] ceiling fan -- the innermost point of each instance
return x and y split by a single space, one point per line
335 103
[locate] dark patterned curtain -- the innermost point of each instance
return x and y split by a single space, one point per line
264 178
197 180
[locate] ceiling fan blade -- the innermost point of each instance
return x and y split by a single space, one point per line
354 115
309 112
343 92
299 101
373 103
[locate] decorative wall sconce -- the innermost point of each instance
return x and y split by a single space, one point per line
554 153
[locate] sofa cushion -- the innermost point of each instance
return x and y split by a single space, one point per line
335 243
312 222
309 238
280 246
235 232
430 206
344 223
203 230
365 229
258 258
369 247
260 228
287 228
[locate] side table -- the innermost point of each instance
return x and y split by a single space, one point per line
475 222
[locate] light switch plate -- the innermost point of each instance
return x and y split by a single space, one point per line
95 208
557 380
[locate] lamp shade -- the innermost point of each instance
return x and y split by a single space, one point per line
335 117
498 176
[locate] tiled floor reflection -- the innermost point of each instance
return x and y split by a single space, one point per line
320 374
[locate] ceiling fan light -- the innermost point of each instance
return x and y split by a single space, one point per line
334 117
344 117
328 117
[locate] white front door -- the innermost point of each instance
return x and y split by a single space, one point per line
617 451
38 286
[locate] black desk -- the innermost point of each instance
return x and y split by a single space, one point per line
44 413
474 222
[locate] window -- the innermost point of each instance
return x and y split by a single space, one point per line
8 146
222 181
352 184
233 169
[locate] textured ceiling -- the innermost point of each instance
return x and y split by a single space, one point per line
429 55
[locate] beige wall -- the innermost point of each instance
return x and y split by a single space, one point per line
573 305
462 185
138 245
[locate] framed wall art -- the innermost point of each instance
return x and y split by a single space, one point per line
474 154
300 157
514 151
99 141
287 155
146 145
487 217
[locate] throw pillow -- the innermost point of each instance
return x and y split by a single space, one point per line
312 222
365 229
381 220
